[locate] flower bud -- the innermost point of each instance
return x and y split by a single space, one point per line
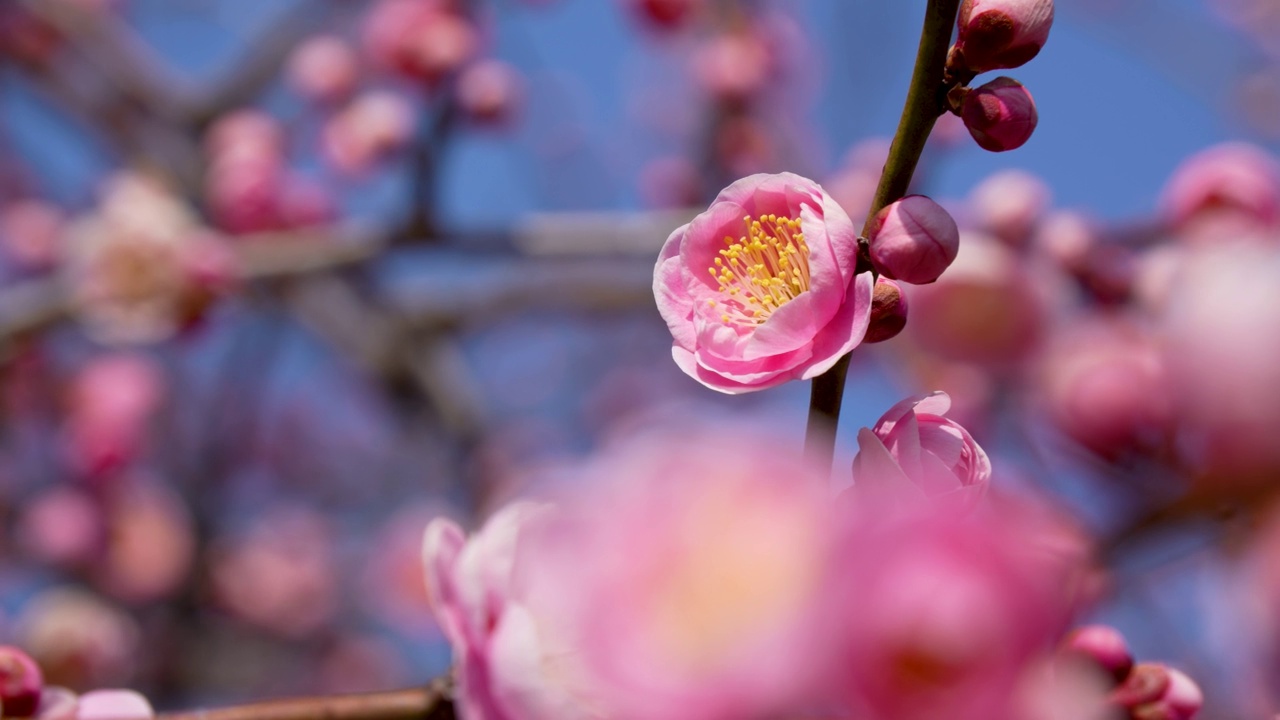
888 311
1102 645
996 34
1158 692
20 683
914 240
1000 115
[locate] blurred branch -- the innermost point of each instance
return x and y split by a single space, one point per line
432 702
1212 502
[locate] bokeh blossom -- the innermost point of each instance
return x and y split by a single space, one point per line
762 288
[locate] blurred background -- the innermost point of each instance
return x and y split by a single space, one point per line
280 281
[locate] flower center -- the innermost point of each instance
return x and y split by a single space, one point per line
761 271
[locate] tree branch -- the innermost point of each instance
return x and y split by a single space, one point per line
922 109
432 702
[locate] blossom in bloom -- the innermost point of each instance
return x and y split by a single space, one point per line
996 34
913 240
688 573
20 683
914 451
1001 115
949 611
762 287
1009 205
508 666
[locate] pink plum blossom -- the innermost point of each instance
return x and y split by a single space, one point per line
688 571
374 125
244 134
914 452
950 611
913 240
422 40
733 66
510 667
1233 179
996 34
762 287
1001 115
324 69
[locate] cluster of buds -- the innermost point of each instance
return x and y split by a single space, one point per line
1139 691
996 35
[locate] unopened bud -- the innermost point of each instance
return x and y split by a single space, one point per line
996 34
914 240
888 311
1158 692
20 683
1103 645
1000 115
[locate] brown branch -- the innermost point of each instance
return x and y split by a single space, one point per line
922 109
429 703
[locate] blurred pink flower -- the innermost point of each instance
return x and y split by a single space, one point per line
915 452
688 573
1231 178
489 91
127 262
110 405
374 125
913 240
949 611
78 639
279 575
665 14
58 703
244 134
421 39
1155 690
31 232
1103 383
150 546
63 527
243 193
761 288
510 664
733 66
1009 205
324 69
997 34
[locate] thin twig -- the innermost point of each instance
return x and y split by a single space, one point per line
432 702
922 109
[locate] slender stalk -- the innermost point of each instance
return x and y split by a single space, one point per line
427 703
924 105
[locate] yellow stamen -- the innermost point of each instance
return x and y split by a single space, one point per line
763 270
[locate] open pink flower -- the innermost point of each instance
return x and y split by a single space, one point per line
761 288
914 451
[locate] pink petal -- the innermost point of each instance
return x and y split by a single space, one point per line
845 330
877 476
114 705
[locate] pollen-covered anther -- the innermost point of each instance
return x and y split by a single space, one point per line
762 270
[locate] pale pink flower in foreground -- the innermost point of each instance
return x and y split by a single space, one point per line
914 452
1236 180
949 611
688 571
509 667
58 703
996 34
761 288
